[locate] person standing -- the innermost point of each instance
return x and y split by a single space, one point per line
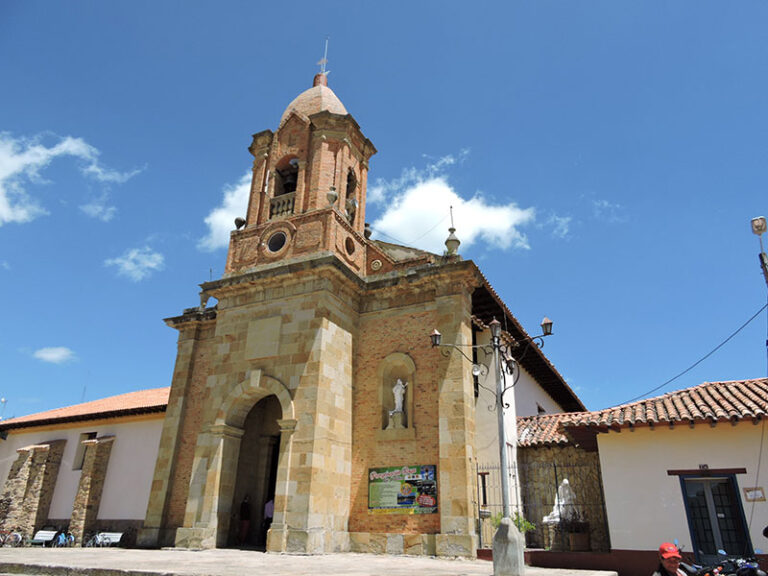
669 561
245 520
269 512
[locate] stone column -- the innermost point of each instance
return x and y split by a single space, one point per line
277 534
28 492
85 510
257 196
301 186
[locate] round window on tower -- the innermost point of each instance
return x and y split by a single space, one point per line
350 246
276 241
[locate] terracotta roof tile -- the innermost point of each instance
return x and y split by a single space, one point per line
710 401
143 401
543 430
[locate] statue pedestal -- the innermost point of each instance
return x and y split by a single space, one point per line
396 418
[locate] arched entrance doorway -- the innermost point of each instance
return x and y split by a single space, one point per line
256 473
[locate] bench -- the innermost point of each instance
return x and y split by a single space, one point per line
43 538
110 538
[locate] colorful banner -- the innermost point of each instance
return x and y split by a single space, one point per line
402 490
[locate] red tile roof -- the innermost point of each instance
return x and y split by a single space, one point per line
707 402
141 402
542 430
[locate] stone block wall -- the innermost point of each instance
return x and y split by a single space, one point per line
542 469
289 335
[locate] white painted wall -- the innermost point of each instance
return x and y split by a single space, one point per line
645 505
129 472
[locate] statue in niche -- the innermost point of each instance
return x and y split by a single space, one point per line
396 416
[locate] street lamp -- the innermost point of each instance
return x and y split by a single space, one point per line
504 363
759 227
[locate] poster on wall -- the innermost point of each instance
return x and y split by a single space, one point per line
402 490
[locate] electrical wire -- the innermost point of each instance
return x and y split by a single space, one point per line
700 360
415 239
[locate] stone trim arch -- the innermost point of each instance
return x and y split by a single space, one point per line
245 395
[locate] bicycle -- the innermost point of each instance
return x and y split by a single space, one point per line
11 538
97 540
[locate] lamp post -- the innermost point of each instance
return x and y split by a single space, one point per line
504 363
759 227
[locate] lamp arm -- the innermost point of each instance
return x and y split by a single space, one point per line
487 350
446 352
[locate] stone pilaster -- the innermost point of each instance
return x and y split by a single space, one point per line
457 433
167 500
209 507
278 533
28 491
85 510
317 508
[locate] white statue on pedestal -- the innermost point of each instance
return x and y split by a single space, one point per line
397 416
565 508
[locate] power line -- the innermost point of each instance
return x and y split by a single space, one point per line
700 360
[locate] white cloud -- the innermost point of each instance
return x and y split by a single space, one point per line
138 263
23 159
99 208
4 265
559 226
55 354
418 193
608 211
220 220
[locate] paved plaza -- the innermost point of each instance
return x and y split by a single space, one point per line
229 562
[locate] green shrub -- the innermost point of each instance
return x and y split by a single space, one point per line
522 524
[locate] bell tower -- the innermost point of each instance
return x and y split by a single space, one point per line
308 187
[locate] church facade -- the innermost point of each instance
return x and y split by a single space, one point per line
310 384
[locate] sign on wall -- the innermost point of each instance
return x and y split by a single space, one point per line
402 490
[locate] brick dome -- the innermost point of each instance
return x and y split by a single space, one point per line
316 99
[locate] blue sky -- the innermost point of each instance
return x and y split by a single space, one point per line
604 160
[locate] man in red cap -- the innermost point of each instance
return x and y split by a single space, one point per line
669 561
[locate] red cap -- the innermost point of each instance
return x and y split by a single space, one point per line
668 550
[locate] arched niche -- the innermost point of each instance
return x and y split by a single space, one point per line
396 366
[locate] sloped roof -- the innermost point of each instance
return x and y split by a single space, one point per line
542 430
487 305
708 402
141 402
400 253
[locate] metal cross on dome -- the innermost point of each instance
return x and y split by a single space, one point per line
324 59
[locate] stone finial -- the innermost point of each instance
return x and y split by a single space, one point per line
452 242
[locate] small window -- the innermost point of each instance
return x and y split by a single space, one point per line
77 464
349 244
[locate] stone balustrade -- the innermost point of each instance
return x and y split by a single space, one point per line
281 205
